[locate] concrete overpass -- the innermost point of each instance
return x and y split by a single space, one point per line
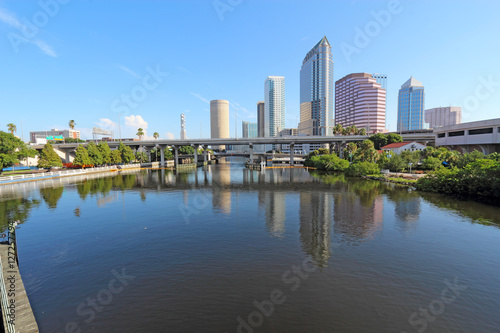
333 141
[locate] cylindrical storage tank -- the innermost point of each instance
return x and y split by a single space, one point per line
219 120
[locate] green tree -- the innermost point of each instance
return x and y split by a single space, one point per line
362 131
156 135
126 153
141 156
394 138
337 129
431 163
359 169
427 152
12 128
72 124
379 140
82 157
395 163
49 158
94 154
105 152
115 157
12 150
168 155
140 133
468 158
188 150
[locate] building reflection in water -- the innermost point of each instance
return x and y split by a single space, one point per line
357 218
316 215
221 191
273 205
407 211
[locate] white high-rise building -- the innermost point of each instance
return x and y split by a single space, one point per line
274 113
183 126
316 90
443 116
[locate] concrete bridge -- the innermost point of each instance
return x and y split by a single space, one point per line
334 142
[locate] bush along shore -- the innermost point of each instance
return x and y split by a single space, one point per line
468 176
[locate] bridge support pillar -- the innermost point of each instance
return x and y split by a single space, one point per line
292 152
195 153
148 149
332 147
250 147
341 148
204 155
162 155
176 155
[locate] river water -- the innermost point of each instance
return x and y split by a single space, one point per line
225 249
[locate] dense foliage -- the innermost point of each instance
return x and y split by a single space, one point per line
478 180
82 157
12 150
126 152
105 152
94 154
49 158
329 162
358 169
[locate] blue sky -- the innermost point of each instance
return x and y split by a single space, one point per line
77 61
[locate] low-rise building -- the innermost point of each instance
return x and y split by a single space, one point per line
400 147
66 134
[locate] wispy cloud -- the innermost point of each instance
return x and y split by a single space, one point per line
11 20
129 71
184 70
201 98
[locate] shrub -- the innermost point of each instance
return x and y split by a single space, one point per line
359 169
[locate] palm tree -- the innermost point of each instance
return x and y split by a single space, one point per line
353 129
362 131
72 124
337 129
345 131
140 133
12 128
156 135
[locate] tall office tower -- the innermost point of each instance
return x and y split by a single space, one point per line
274 105
443 116
219 120
360 101
381 79
411 106
316 91
249 129
183 126
261 113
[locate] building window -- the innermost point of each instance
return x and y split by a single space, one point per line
458 133
481 131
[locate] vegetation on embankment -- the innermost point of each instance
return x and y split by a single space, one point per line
478 180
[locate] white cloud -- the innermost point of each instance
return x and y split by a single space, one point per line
201 98
106 123
129 71
170 136
136 122
11 19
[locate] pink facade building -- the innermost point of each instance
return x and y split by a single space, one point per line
360 101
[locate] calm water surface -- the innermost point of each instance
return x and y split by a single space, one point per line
225 249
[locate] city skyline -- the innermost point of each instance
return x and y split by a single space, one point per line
58 75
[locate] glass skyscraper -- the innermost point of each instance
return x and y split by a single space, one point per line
274 105
411 106
249 129
381 79
316 90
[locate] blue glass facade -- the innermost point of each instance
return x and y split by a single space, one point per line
411 105
249 130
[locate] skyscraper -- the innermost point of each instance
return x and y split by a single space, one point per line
249 130
443 116
411 106
261 112
381 79
360 101
219 120
316 90
183 126
274 107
